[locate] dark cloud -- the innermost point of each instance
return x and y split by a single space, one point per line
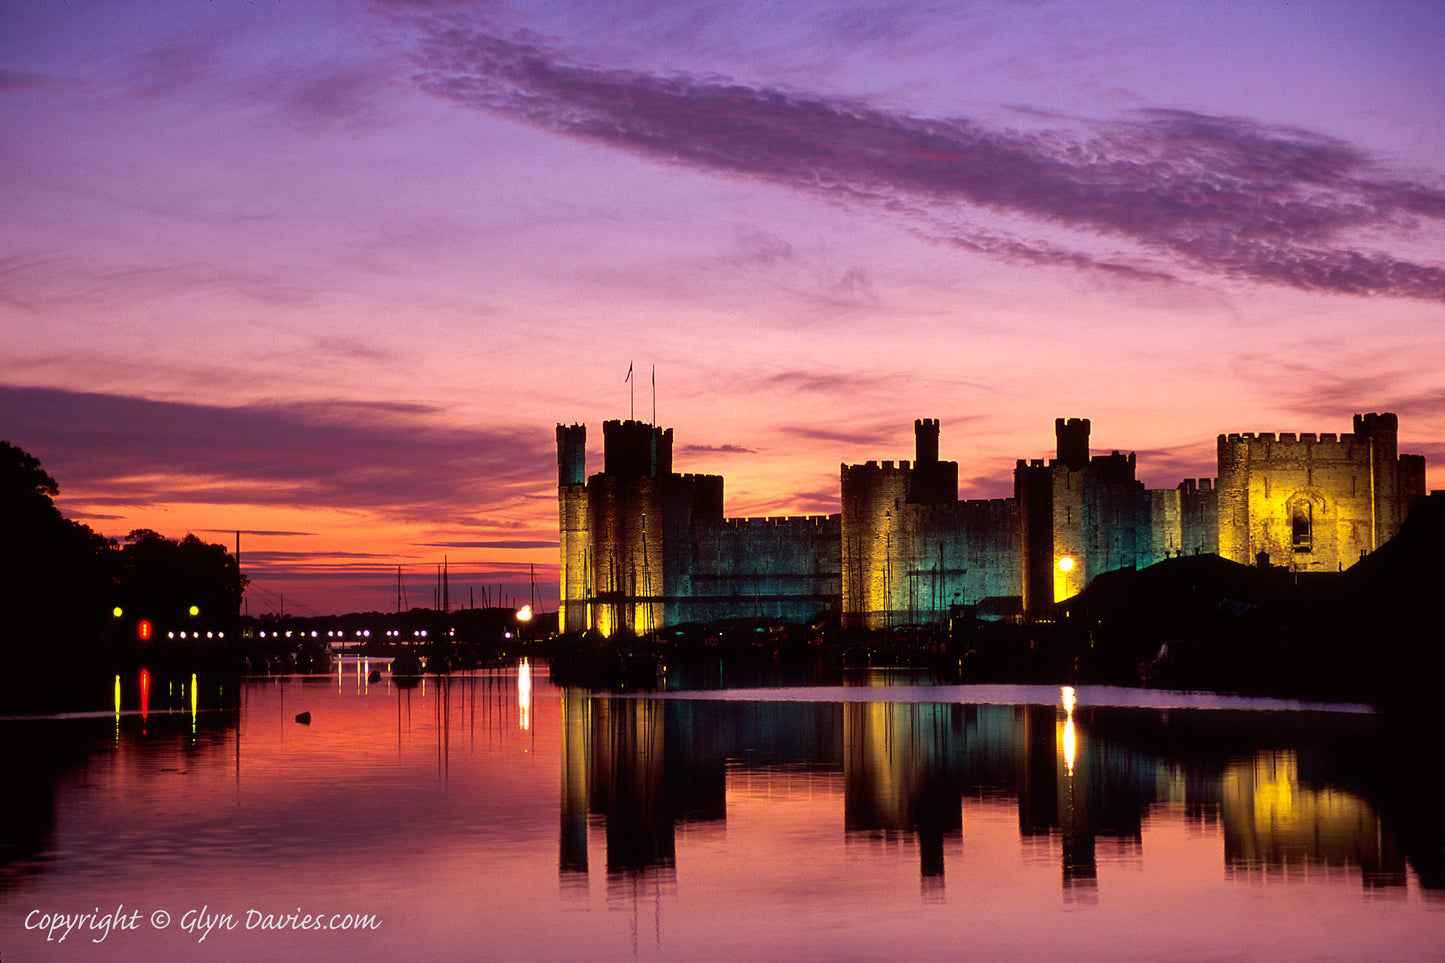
515 543
825 383
716 450
863 436
1161 195
398 459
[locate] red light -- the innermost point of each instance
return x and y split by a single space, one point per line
143 630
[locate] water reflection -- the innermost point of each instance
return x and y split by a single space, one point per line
909 770
1273 824
860 822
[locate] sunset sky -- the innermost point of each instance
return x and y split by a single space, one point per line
330 273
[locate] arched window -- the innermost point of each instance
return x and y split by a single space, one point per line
1302 525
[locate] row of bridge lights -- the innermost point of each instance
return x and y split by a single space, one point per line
313 634
524 614
340 634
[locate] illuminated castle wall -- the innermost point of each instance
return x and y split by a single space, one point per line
911 549
1315 503
643 547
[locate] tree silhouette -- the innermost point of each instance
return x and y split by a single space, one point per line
60 581
56 575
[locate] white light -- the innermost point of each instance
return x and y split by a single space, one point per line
1070 744
1070 739
1066 564
524 614
524 694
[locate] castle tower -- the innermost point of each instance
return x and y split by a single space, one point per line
1072 437
1314 503
1381 433
572 526
884 545
874 499
925 441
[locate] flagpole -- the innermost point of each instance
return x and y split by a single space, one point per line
632 394
654 394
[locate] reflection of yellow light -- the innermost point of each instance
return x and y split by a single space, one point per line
193 703
1066 564
1276 787
117 698
1069 744
524 694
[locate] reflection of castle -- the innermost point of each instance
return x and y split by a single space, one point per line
1273 822
643 767
643 546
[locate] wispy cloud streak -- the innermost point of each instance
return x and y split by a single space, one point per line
1162 194
398 459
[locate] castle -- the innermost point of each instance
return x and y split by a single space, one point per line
643 547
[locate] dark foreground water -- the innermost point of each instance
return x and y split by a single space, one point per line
493 816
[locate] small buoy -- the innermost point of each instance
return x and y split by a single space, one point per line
304 718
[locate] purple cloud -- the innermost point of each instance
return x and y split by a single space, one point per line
1162 195
390 457
726 449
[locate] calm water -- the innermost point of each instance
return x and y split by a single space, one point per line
494 816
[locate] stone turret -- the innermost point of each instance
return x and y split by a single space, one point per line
1072 435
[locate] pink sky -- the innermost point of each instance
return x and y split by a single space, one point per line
330 273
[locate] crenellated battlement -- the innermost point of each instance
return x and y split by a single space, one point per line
1269 446
879 468
780 521
904 546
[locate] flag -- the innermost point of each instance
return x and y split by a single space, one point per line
629 372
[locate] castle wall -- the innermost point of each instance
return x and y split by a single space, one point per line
625 570
966 552
783 568
1198 517
642 547
907 562
1313 502
1181 521
873 540
1079 516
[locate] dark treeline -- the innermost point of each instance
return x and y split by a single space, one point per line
62 584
